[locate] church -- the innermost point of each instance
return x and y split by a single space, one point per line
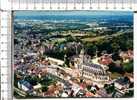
89 70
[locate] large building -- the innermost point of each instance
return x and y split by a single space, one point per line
90 70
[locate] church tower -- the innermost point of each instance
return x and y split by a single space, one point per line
81 56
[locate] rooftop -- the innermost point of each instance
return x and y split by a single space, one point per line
93 65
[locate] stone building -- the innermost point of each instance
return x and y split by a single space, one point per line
89 70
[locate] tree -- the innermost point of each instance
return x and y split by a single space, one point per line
128 67
110 88
89 87
105 85
114 68
32 80
44 88
46 81
70 38
129 44
91 49
130 93
115 46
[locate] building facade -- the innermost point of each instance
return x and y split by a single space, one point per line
89 70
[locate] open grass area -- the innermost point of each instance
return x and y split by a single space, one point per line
91 39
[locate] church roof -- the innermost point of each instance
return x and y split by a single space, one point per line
93 65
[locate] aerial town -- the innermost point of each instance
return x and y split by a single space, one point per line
73 56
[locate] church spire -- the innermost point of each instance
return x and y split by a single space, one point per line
82 55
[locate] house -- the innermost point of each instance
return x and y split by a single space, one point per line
103 93
38 86
106 59
122 83
24 85
64 94
126 56
93 89
55 61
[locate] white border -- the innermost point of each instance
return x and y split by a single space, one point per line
29 5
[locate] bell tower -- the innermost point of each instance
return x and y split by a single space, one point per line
81 56
81 59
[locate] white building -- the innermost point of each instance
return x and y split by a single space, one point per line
55 61
122 83
24 85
